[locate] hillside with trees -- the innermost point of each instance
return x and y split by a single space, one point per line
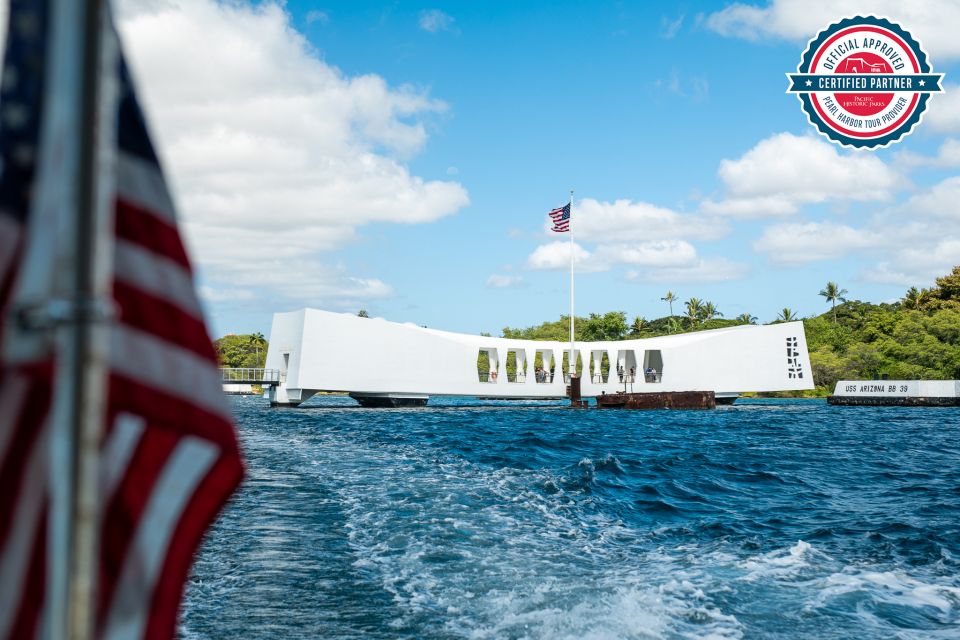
917 337
243 350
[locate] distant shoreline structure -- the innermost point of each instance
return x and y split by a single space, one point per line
904 393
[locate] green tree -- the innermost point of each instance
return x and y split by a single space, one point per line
946 293
828 368
832 292
746 318
673 325
239 351
363 313
258 342
694 311
670 298
787 315
639 324
948 287
913 298
709 312
609 326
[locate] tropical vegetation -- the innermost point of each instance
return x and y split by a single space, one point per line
243 350
917 337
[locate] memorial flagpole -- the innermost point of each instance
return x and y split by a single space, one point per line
573 356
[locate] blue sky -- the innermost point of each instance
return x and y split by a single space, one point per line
401 157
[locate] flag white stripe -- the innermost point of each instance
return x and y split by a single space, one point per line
140 182
157 276
167 367
11 401
23 531
117 451
129 610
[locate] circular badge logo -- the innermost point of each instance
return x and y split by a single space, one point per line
864 82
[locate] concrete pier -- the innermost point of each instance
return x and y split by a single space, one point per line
904 393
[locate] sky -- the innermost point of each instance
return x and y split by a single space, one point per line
400 157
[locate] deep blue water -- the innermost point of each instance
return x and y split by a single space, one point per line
768 519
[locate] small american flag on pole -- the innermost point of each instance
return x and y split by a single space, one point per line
169 456
560 218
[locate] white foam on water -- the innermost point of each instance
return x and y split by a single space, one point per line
782 564
891 587
479 552
491 556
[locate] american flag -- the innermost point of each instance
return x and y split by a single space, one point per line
560 218
169 455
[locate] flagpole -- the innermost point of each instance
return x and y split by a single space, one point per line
573 356
79 397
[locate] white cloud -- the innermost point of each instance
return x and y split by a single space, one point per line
799 243
948 156
497 281
556 255
317 16
933 22
785 171
210 294
943 110
663 253
807 169
313 283
655 261
653 241
696 87
669 28
705 270
917 264
626 221
758 207
941 200
275 155
435 20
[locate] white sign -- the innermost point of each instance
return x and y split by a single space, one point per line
890 388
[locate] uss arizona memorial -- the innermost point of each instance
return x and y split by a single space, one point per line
382 363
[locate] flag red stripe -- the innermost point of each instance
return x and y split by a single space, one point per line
148 313
150 231
123 510
169 412
31 599
202 509
27 428
9 268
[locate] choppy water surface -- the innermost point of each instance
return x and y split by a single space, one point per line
768 519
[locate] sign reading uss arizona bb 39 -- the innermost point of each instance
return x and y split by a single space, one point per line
864 82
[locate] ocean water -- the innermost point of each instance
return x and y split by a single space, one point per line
768 519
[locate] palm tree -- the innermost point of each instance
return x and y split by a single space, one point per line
670 298
638 325
787 315
746 318
694 310
709 311
910 298
916 298
832 292
673 325
363 313
256 340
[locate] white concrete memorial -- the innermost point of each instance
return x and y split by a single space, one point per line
383 363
